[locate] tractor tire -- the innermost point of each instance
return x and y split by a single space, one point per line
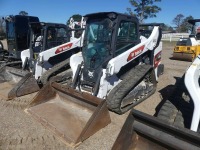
119 92
178 109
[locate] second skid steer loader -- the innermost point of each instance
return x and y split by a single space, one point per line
50 47
116 65
177 125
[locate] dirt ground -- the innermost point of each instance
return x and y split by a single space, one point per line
19 131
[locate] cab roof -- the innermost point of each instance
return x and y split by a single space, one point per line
108 14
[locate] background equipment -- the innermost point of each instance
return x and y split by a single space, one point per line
17 35
50 47
188 48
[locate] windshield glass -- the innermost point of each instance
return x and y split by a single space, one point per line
97 42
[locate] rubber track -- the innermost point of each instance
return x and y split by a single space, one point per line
178 109
131 79
53 71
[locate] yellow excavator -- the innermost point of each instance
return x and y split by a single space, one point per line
188 48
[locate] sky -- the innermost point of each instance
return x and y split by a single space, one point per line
59 11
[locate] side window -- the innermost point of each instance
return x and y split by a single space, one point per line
133 35
56 36
127 30
62 35
10 31
51 34
127 36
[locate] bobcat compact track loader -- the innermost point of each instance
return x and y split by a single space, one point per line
17 35
177 125
188 48
116 65
49 50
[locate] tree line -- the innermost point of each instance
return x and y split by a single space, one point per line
144 9
181 23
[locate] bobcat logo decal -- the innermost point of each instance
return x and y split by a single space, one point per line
90 74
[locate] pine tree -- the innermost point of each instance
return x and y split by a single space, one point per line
144 9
